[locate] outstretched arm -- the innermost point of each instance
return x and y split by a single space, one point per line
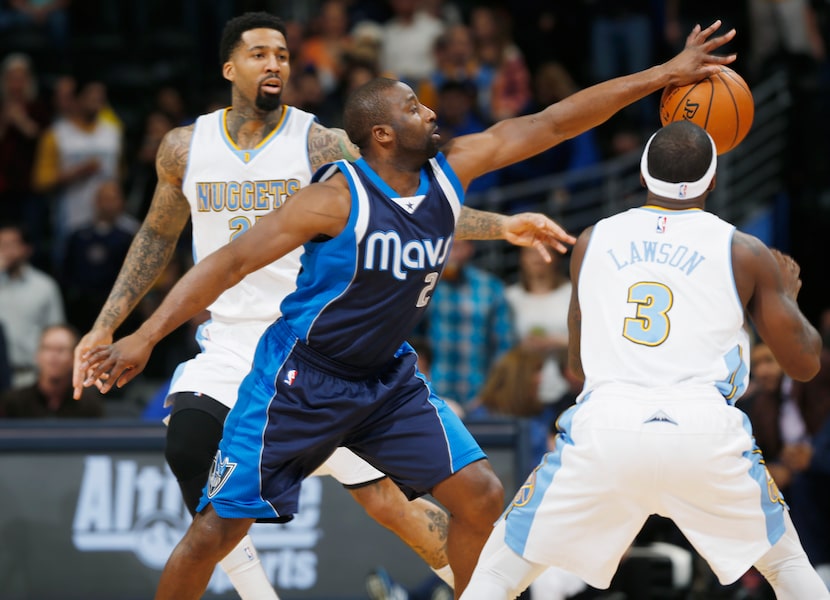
524 229
513 140
319 209
150 250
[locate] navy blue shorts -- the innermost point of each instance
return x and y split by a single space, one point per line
296 407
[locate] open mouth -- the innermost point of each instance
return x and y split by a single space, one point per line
271 86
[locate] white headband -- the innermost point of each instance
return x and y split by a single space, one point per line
683 189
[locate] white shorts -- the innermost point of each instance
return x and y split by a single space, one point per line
620 457
225 359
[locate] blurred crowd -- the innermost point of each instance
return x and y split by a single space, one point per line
89 88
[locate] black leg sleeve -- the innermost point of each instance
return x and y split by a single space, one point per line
193 436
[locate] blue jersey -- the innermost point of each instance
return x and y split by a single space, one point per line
338 354
360 294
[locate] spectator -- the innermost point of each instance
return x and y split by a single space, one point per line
63 89
407 43
22 118
457 114
777 422
622 41
325 48
784 29
510 90
456 61
142 177
170 102
367 40
306 92
50 18
30 300
552 83
51 394
74 156
468 325
813 399
539 301
5 367
94 255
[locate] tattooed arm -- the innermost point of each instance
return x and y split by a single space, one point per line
328 145
524 229
150 250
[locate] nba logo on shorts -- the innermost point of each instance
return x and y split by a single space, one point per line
682 190
661 224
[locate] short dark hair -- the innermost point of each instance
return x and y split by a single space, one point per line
232 33
21 229
71 329
681 151
365 108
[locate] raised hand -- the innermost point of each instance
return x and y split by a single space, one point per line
696 61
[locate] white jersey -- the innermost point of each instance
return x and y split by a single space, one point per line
228 189
664 269
663 344
76 146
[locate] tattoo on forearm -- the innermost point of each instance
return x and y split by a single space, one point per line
148 256
479 225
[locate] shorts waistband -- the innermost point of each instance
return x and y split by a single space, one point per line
321 361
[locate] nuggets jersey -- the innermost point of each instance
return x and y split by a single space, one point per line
229 188
675 318
360 293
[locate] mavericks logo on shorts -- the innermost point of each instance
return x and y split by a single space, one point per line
220 471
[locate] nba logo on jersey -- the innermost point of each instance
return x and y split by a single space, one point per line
662 221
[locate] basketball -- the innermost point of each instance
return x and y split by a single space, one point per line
722 104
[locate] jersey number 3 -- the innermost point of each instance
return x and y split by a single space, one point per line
651 325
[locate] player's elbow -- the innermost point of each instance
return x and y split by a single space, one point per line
803 366
805 369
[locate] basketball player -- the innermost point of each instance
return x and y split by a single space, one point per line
657 329
334 370
225 172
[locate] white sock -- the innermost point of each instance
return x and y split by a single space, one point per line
445 574
246 573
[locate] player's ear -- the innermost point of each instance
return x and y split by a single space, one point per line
228 71
712 184
383 133
643 181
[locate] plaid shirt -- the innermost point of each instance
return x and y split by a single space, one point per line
468 324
